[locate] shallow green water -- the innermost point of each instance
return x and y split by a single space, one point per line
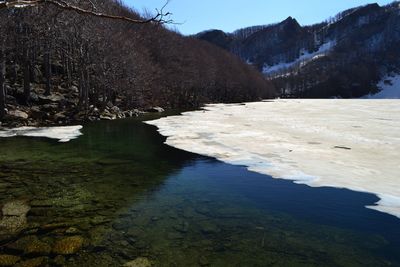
126 195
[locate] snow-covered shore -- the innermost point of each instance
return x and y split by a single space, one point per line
351 144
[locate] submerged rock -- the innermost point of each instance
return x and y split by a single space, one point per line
72 231
12 225
20 245
14 218
53 226
139 262
59 260
182 227
97 220
175 236
36 262
15 208
209 228
8 260
37 247
203 261
68 245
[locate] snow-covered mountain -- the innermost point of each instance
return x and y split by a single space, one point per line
345 56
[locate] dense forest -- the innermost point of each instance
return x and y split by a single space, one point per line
57 65
344 56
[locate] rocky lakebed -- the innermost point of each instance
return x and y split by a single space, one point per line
117 196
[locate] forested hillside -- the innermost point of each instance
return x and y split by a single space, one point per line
344 56
60 66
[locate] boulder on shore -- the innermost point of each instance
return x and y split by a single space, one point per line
17 115
155 109
53 98
36 113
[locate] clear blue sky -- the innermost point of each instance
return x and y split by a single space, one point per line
229 15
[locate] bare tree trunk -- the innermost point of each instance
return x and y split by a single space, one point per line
69 74
2 79
14 71
87 88
73 56
27 77
47 67
82 88
32 69
68 60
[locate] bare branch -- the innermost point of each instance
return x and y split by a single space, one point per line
160 17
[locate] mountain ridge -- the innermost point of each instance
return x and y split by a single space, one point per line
344 56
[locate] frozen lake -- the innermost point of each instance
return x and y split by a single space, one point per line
353 144
117 193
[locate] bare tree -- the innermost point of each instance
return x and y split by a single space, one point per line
160 17
129 63
2 76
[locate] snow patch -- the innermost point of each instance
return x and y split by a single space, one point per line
351 144
389 86
304 59
249 62
62 134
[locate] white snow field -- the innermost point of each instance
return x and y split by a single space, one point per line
353 144
62 134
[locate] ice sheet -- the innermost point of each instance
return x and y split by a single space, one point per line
353 144
63 134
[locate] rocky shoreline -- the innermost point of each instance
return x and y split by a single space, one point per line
62 108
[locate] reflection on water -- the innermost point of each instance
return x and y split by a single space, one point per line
117 194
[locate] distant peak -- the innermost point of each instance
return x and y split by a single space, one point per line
374 5
290 21
290 18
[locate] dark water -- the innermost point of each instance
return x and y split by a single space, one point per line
126 195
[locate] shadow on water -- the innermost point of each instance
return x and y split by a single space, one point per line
324 205
125 195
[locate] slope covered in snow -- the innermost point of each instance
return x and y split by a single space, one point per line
351 144
390 88
302 60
